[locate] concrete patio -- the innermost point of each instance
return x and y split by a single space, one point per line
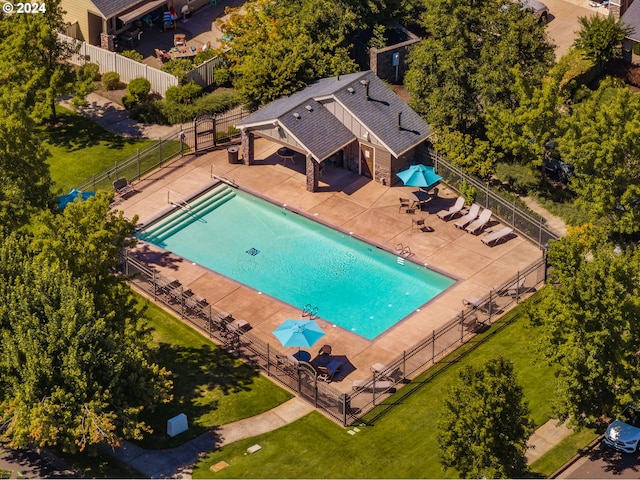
350 203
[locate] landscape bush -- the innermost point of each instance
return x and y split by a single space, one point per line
178 67
139 89
133 55
129 101
111 80
520 178
89 71
185 94
166 112
204 56
222 76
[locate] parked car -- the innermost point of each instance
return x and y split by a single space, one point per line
537 8
624 432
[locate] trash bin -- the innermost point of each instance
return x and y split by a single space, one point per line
232 155
344 401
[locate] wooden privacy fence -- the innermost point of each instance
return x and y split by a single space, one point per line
370 389
127 68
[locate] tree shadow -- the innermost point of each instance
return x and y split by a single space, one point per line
195 372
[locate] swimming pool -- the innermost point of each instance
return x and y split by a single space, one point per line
354 285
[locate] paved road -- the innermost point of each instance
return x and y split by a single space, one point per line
604 462
563 21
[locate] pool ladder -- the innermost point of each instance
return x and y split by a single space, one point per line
404 250
180 203
310 311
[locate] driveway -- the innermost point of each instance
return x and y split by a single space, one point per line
563 21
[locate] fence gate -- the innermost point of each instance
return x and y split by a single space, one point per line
204 133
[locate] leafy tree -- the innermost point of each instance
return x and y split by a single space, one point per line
75 368
588 316
278 48
523 131
602 141
35 57
464 65
476 156
25 182
600 38
485 425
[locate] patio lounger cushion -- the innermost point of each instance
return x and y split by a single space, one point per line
479 224
496 237
450 212
462 222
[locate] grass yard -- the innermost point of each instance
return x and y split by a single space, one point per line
399 438
80 148
210 386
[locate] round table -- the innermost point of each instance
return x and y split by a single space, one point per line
302 356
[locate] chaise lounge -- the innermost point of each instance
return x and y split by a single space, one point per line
478 225
462 222
496 237
122 187
453 210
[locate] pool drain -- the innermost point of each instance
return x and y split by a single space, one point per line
253 252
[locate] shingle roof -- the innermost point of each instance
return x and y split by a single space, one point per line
316 129
631 18
378 113
110 8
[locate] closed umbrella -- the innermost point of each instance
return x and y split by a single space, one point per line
419 176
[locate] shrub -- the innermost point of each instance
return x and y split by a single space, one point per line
222 76
467 191
216 103
204 56
111 81
90 71
520 178
149 112
183 93
133 55
129 101
139 89
178 67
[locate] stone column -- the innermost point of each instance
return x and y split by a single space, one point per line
313 173
247 146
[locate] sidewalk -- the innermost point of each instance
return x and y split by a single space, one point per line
113 117
178 462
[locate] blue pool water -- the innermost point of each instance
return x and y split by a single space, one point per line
353 284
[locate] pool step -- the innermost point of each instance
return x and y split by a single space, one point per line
178 219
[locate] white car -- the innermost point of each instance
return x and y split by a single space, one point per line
624 432
537 8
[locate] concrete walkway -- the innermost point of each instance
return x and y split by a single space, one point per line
178 462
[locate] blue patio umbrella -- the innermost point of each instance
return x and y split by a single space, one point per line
298 333
419 176
64 200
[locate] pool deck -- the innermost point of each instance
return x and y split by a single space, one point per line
350 203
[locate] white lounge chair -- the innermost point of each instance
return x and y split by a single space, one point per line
451 211
478 225
469 217
496 237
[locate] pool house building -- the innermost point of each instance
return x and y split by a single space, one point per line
353 121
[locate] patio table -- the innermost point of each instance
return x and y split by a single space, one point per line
183 52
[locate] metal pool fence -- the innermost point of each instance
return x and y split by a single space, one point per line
301 377
526 224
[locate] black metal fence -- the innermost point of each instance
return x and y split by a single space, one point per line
530 226
301 377
202 135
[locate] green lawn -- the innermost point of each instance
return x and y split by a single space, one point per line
399 438
80 148
210 386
